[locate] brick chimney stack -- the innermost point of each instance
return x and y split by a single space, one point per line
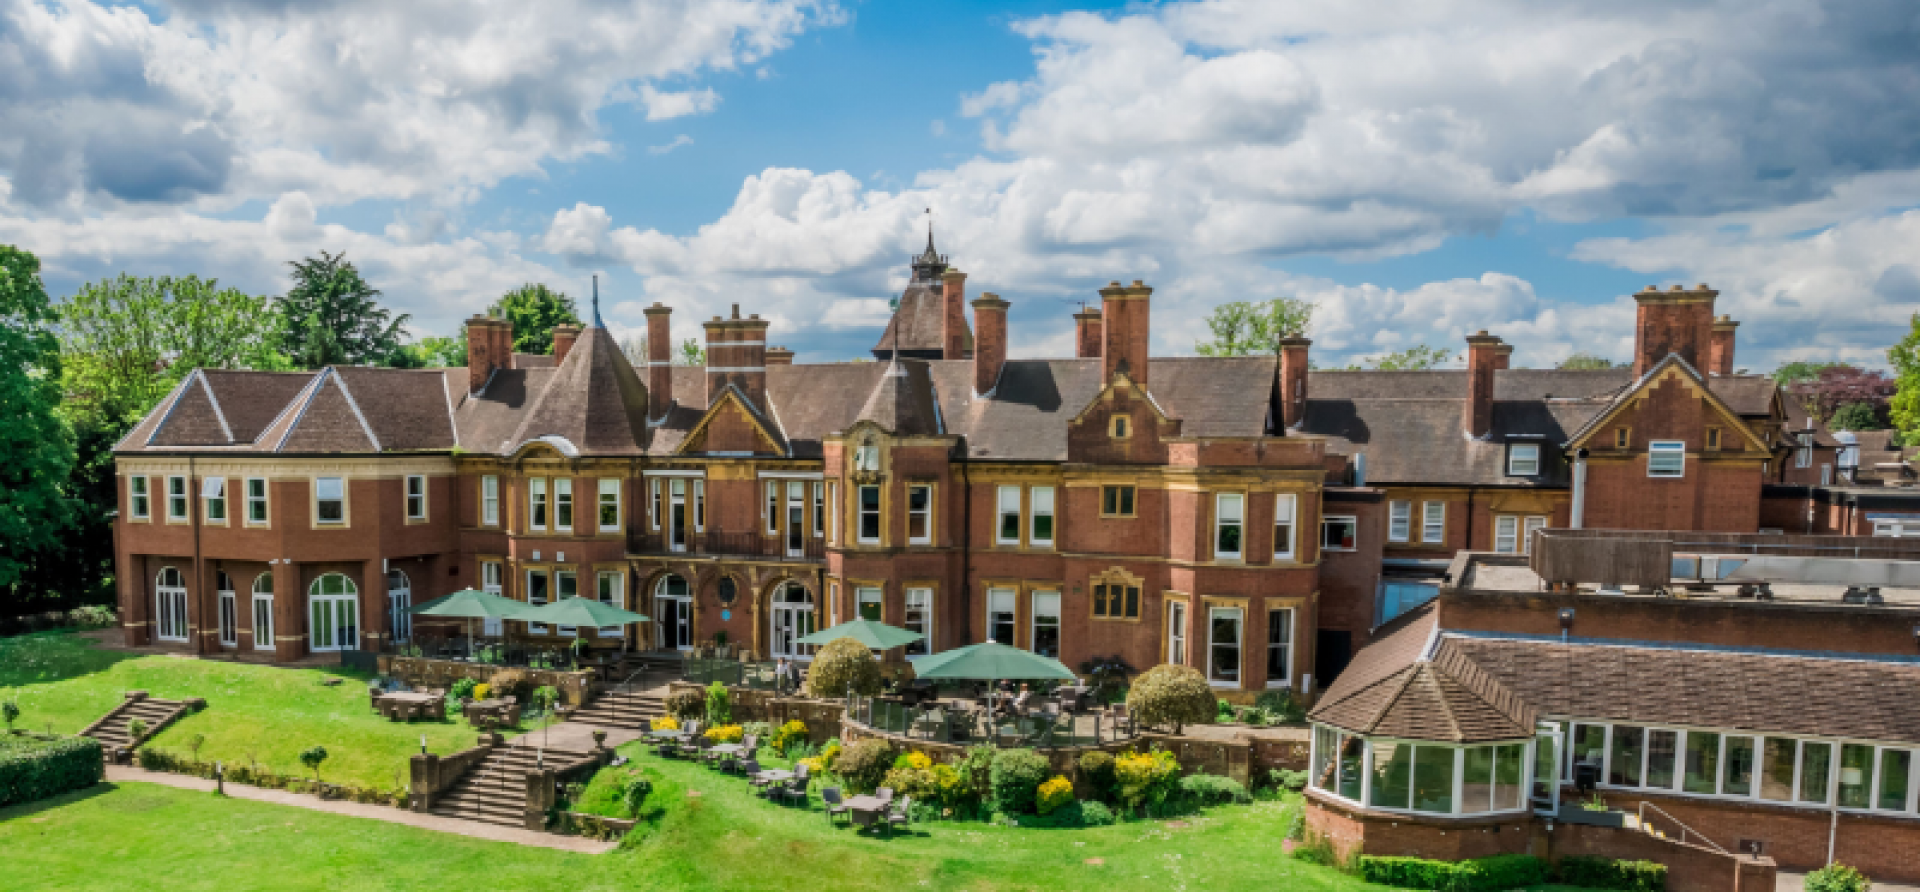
1086 334
953 314
1503 357
659 360
564 335
489 349
1293 381
779 356
989 341
1483 358
737 355
1720 361
1126 316
1673 321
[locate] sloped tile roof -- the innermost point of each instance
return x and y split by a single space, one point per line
920 322
1393 690
594 401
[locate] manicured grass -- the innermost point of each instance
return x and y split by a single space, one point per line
263 714
710 833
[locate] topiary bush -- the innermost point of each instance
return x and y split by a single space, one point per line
312 757
1017 776
1096 768
684 705
864 764
33 769
1171 695
843 665
1837 877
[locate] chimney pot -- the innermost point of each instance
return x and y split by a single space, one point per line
1087 333
659 361
1483 358
953 315
1293 380
736 311
1126 325
989 341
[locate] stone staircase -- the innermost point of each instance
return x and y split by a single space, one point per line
495 791
631 709
111 729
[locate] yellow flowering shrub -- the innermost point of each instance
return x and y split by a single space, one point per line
666 723
725 733
919 760
1145 778
820 763
481 690
1053 794
787 735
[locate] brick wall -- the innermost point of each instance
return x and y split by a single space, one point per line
1842 628
1887 849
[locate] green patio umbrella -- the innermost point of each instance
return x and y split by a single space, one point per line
469 604
576 611
872 633
990 662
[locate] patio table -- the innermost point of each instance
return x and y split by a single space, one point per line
408 704
775 775
666 735
727 749
499 708
866 809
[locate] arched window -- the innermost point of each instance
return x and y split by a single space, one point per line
399 600
170 605
792 616
673 613
333 611
263 611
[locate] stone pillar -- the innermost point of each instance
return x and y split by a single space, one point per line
289 613
374 621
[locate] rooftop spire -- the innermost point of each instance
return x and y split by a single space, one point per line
596 302
930 264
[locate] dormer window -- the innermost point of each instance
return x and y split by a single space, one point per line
1523 459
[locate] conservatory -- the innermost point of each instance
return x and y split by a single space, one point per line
1422 776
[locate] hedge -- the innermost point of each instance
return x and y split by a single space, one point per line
1478 875
32 768
1606 873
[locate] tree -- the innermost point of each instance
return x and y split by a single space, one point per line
1839 385
1254 328
127 341
331 317
691 353
34 508
312 757
1799 370
1170 694
1413 359
534 310
1584 360
1905 405
1857 417
842 666
432 353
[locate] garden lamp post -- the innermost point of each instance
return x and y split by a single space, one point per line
219 778
423 744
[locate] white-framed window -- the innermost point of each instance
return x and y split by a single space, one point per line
1523 459
213 495
1527 529
870 603
677 510
653 517
1223 646
1433 522
1667 458
1280 647
563 504
139 502
1803 456
537 503
1284 507
1399 521
1040 519
773 507
919 514
833 513
416 497
492 579
330 499
333 613
229 609
1229 526
537 592
177 498
1007 532
700 505
1046 624
611 587
257 500
1000 615
170 605
819 509
1339 533
796 518
490 501
919 618
609 505
1506 534
1826 475
869 530
1177 632
565 585
263 611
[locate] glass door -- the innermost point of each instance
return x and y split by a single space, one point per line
399 601
1545 788
792 620
170 606
229 610
263 612
334 613
673 614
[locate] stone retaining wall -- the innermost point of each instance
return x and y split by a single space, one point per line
575 688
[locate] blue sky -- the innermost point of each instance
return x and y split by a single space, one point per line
1418 170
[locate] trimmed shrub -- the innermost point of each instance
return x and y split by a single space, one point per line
32 769
724 734
907 779
1017 776
1607 873
1493 874
864 765
1145 779
719 704
1053 794
462 689
1096 766
1291 781
1171 695
1072 814
685 705
1212 789
1837 877
11 712
842 665
634 794
1508 872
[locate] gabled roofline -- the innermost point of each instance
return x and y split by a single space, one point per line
1646 382
731 393
357 414
171 400
1119 378
218 413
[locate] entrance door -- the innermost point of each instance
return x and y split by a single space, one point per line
263 612
673 614
229 609
399 601
333 614
1545 789
170 606
792 620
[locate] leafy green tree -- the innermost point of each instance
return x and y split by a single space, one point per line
1584 360
1857 417
331 316
1800 371
127 341
691 353
534 310
38 446
1413 359
1905 406
432 353
1255 327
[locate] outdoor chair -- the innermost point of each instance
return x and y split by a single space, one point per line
885 794
831 796
1121 720
751 769
796 789
901 815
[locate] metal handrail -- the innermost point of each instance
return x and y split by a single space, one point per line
1684 829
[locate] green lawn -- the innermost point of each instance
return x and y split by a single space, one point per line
708 833
263 714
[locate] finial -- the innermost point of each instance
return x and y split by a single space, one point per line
596 302
930 230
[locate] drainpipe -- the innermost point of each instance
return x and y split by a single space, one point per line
1579 488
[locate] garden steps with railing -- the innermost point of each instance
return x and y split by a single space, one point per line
111 729
495 791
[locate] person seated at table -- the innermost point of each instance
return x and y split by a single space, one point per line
1020 703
